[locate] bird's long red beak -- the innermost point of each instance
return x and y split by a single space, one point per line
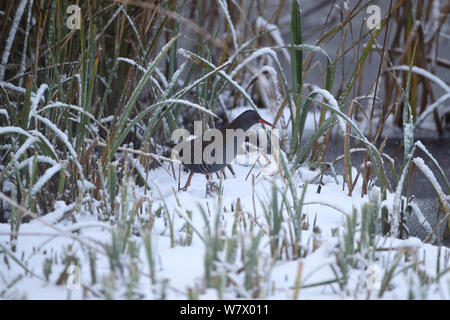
265 122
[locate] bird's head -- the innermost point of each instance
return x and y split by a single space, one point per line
247 119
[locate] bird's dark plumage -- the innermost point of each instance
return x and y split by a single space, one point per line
207 166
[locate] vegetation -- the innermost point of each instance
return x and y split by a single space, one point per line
87 113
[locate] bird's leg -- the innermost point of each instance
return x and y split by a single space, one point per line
231 170
188 182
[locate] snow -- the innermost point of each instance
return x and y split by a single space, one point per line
162 77
130 21
35 100
422 220
425 74
429 110
171 234
39 158
253 56
229 78
224 6
187 103
4 112
24 147
50 146
275 33
27 31
422 147
183 266
50 172
16 88
332 103
133 63
65 105
63 137
4 130
60 209
430 176
142 69
174 79
12 33
398 195
273 75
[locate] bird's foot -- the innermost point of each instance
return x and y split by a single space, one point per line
186 186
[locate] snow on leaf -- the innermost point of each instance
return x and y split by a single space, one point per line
45 177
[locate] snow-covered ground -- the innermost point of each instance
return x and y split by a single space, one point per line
45 247
267 231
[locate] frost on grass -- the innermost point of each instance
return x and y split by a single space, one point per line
430 176
63 137
275 33
224 6
24 147
4 112
133 27
415 210
395 222
142 69
180 213
27 32
12 34
253 56
49 145
35 100
70 106
228 78
273 75
38 158
430 109
426 74
5 130
312 48
420 145
45 177
333 104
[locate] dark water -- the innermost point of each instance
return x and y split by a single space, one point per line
421 188
314 14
